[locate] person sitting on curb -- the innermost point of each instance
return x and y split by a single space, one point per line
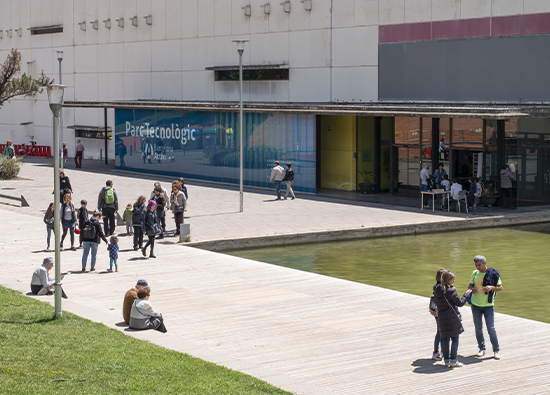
143 316
42 283
129 298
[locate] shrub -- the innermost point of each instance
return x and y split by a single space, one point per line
9 168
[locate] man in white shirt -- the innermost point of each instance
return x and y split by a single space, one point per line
42 283
277 175
455 189
424 175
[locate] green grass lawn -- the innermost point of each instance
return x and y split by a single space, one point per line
36 348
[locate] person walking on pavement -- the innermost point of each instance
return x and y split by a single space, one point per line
64 185
289 178
151 228
277 176
107 202
78 154
164 194
91 235
9 150
158 198
506 178
485 283
138 214
178 203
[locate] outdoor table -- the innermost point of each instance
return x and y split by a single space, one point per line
433 193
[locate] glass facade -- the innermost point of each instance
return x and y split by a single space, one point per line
205 145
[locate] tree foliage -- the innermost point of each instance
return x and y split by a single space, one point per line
26 85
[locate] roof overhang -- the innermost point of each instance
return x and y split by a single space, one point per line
377 109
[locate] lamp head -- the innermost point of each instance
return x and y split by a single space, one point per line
240 45
59 55
55 98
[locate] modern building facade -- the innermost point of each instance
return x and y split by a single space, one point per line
357 94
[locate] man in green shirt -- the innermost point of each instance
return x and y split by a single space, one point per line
483 302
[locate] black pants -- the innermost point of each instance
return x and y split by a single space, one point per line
138 236
36 288
65 234
161 214
151 243
178 217
506 197
108 220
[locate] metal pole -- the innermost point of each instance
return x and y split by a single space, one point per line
241 125
56 182
106 139
60 136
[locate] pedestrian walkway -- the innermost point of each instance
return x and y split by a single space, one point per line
300 331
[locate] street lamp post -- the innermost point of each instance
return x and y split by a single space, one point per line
55 98
240 50
60 59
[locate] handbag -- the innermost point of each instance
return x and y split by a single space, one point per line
433 307
179 209
457 313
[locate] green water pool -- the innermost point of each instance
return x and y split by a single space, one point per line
409 263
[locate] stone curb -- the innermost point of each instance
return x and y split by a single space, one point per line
365 233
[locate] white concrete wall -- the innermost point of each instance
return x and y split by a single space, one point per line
332 51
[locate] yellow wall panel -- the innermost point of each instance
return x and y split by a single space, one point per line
338 144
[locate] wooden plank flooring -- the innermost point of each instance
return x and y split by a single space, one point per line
304 332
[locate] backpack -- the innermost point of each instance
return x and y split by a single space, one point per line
109 196
89 231
431 183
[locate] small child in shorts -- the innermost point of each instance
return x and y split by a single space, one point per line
127 218
113 253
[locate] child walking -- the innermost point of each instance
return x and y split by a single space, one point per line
113 253
127 218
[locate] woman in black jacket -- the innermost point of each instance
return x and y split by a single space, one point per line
159 200
68 219
64 184
450 325
138 213
151 227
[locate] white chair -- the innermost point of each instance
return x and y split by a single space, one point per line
462 198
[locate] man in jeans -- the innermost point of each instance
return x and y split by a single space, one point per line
484 283
277 175
424 176
107 202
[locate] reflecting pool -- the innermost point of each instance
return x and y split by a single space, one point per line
409 263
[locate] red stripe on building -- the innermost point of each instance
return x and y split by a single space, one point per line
515 25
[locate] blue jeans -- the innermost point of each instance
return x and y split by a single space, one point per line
278 188
87 246
424 187
454 349
50 231
489 313
437 340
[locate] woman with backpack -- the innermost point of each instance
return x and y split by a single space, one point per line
138 213
91 235
150 227
68 219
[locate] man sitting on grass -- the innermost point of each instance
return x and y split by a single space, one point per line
42 283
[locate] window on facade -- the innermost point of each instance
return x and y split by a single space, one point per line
253 75
46 29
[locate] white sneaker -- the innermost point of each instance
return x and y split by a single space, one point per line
437 356
447 364
456 364
480 353
497 355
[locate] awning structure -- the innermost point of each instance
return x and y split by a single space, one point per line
377 109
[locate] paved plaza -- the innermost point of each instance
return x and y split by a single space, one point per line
303 332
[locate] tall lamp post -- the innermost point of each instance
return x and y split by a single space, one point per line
55 98
60 59
240 50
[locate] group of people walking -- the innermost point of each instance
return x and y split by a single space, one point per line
142 218
484 283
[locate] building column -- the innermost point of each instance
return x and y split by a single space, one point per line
435 143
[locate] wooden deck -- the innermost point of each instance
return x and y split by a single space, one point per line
303 332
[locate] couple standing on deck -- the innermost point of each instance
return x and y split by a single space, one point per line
484 283
279 175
